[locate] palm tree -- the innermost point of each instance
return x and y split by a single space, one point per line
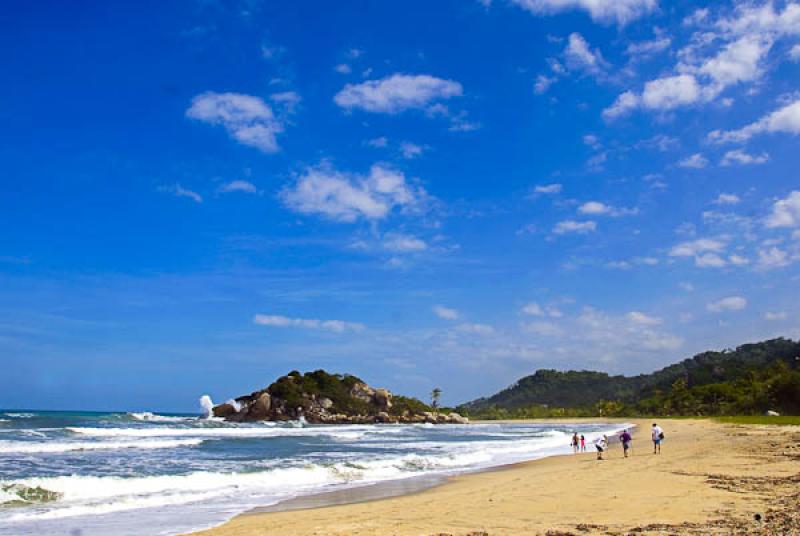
435 395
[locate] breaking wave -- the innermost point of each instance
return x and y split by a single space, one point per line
31 447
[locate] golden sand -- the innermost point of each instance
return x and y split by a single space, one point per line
710 478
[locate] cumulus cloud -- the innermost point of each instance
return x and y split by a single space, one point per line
348 197
337 326
731 50
238 186
707 252
543 83
580 57
779 315
773 257
785 120
249 120
596 208
785 212
726 199
647 48
577 227
445 313
618 12
794 53
731 303
695 161
397 93
743 158
403 243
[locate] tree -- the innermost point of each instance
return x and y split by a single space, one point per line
435 395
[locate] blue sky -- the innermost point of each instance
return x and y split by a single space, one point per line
197 197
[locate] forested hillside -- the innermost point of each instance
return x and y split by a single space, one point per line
751 379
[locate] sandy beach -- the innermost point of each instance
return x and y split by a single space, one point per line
711 478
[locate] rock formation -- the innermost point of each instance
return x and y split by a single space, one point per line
322 398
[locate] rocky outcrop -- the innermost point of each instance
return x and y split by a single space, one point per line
322 398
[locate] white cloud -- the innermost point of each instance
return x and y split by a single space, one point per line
640 318
731 50
247 119
337 326
543 83
571 226
179 191
785 212
343 68
773 257
379 142
740 157
709 260
445 313
348 197
731 303
238 186
624 103
779 315
794 53
404 243
548 188
596 208
738 260
693 248
532 309
785 120
397 93
696 161
619 12
661 94
411 150
580 57
646 48
726 199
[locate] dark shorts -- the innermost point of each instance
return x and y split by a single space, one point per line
626 445
657 441
599 448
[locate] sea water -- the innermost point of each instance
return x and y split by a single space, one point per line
141 474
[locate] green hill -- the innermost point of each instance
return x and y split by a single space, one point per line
751 379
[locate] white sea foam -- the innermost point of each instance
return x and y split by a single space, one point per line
154 417
31 447
342 432
19 415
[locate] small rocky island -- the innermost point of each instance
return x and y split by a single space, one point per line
323 398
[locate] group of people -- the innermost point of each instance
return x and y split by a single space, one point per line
625 439
578 443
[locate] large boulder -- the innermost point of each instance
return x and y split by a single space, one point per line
260 409
383 398
455 418
325 403
224 410
362 392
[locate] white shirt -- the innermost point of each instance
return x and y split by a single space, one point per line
657 431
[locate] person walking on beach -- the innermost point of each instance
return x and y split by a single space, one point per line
625 438
583 444
575 442
601 444
658 436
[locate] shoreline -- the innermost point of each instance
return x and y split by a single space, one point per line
561 492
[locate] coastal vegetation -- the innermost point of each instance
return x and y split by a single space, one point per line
749 380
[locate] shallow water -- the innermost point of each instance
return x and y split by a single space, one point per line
144 474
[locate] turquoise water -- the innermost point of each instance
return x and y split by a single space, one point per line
144 474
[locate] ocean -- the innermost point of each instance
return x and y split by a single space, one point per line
88 474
